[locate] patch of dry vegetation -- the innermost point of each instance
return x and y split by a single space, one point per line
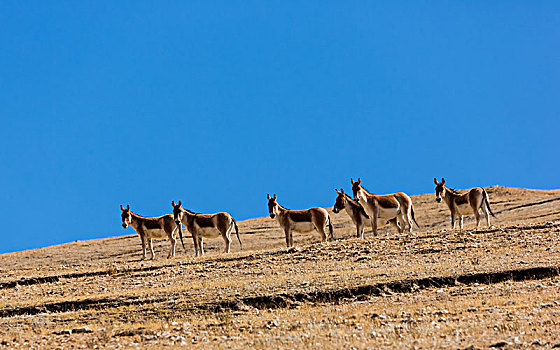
334 295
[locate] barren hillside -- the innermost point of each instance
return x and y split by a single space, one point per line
435 288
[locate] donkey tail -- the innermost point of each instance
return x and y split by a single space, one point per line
237 233
331 231
485 195
412 214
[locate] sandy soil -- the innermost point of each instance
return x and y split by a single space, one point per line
434 288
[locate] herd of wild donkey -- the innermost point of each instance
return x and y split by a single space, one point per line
365 207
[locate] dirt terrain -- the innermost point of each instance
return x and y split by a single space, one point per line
435 288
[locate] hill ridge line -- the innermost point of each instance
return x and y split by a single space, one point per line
116 237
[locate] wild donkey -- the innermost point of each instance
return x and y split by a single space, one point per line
356 212
300 220
150 227
206 226
384 208
473 201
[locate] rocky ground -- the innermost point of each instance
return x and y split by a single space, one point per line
436 288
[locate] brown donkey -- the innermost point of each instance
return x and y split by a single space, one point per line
472 201
300 220
152 227
384 208
206 226
356 212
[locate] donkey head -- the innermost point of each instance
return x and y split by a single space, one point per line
356 187
125 216
440 189
340 201
272 206
177 212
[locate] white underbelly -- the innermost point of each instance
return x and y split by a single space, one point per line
302 227
388 213
384 213
380 222
464 209
156 233
208 232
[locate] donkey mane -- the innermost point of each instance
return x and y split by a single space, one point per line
283 207
362 209
452 190
190 211
366 189
350 199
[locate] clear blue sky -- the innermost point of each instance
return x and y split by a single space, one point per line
218 103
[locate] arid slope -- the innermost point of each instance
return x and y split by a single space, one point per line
435 288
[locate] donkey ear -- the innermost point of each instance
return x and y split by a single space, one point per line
122 208
342 190
274 197
267 196
351 181
179 204
336 191
359 181
435 181
442 181
127 207
173 204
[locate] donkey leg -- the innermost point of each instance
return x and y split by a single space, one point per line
374 226
360 231
173 243
201 245
396 224
461 222
195 242
288 234
477 217
322 233
143 246
151 244
409 219
484 210
227 241
401 220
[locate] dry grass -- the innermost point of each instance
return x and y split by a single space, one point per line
267 297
